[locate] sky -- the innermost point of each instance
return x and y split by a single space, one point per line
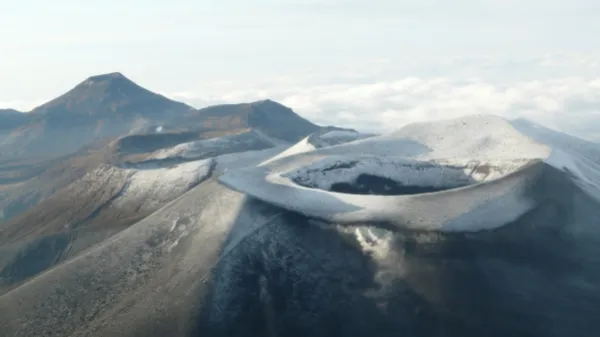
374 65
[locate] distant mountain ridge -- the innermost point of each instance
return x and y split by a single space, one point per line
109 106
270 117
9 112
10 118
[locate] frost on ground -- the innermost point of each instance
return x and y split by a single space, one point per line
155 186
302 146
473 137
239 160
349 134
494 163
316 141
252 140
336 137
577 157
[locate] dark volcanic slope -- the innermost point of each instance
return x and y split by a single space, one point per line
215 263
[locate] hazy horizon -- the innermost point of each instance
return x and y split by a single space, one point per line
373 66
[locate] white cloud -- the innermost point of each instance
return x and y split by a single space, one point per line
567 99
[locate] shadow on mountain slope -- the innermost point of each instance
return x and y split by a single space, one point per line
34 257
537 276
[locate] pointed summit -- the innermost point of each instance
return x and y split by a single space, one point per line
111 93
101 107
115 77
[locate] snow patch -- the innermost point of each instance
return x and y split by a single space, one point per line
474 137
313 142
379 246
215 146
302 146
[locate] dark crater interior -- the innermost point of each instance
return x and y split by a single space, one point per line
372 184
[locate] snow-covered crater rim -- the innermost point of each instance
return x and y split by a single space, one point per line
395 175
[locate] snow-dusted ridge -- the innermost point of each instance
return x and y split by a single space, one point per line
302 146
199 149
149 187
155 186
489 167
317 141
352 134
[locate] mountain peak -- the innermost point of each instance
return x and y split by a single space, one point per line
107 79
114 75
271 107
107 95
264 101
268 102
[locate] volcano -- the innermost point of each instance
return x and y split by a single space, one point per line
477 226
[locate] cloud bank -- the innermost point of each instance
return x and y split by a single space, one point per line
561 92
